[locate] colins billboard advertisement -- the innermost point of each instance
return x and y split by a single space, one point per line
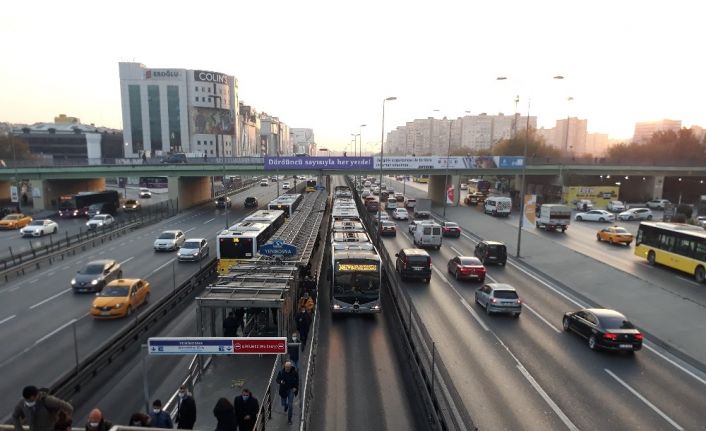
212 121
206 76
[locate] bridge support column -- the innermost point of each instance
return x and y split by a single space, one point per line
658 187
437 191
41 197
189 191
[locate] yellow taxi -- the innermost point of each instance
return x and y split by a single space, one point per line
120 298
15 221
615 235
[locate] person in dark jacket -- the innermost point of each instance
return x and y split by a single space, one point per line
139 419
96 422
38 410
230 325
293 349
288 380
303 322
159 418
246 409
225 415
186 410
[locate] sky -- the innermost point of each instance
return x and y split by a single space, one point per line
328 65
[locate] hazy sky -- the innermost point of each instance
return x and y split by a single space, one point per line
328 65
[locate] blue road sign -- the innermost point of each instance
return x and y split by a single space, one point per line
278 248
190 346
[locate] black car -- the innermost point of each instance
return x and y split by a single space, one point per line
604 329
250 202
95 275
223 202
491 252
413 263
175 158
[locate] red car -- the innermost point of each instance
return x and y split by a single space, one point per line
467 267
450 228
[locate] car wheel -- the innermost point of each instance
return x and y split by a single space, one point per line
598 237
649 217
481 280
579 218
476 298
456 274
699 274
129 310
651 259
630 218
487 309
566 324
516 315
601 219
592 342
55 230
147 298
120 274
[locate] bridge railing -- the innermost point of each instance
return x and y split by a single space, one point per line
34 163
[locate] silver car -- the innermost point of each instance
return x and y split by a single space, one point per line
636 214
169 240
193 249
499 298
95 275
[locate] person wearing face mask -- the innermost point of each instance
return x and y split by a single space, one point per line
158 417
96 422
303 321
38 410
293 349
186 410
246 409
288 380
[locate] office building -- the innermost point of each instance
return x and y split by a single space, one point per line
645 130
72 142
303 141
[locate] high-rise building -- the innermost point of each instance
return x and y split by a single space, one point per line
274 137
178 110
645 130
303 141
570 136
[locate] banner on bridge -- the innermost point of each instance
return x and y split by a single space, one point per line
453 162
313 163
216 345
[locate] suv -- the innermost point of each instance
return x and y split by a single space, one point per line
657 204
491 252
413 263
223 202
175 158
250 202
499 298
616 206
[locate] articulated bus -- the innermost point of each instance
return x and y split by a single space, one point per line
154 182
674 245
242 240
287 203
310 186
355 278
477 185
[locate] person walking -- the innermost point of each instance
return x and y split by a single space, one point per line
139 419
246 409
230 325
288 379
303 322
159 418
144 158
225 415
293 349
38 411
307 302
96 422
186 410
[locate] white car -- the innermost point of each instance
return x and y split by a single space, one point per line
636 214
400 214
584 202
100 220
285 185
464 186
193 249
145 193
658 204
40 228
264 183
595 215
169 240
616 206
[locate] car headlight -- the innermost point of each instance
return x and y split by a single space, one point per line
73 281
94 282
118 305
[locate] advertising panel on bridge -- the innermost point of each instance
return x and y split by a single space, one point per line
216 345
309 163
599 195
453 162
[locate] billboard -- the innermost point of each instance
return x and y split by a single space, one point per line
212 121
453 162
599 195
308 163
207 76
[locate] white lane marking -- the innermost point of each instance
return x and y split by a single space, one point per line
644 400
122 244
7 319
33 281
656 352
455 251
12 289
209 221
50 274
111 249
127 260
463 300
189 230
570 425
65 267
555 290
532 310
161 266
68 289
689 281
60 328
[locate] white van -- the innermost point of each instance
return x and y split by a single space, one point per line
498 206
391 204
428 234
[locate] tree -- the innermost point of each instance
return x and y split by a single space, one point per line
515 146
687 210
664 146
21 150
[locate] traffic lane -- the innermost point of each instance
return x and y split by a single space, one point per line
556 358
487 378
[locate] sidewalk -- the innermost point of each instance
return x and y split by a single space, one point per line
670 320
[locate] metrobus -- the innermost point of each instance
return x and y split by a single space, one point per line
154 182
355 278
310 186
342 192
674 245
287 203
273 218
421 179
477 185
77 205
242 240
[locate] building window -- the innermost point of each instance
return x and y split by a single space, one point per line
209 99
209 89
135 118
211 142
198 142
155 117
203 89
197 89
211 151
174 112
197 99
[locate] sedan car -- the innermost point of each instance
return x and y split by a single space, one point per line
382 215
169 240
132 205
120 298
95 275
399 196
604 329
615 235
40 228
499 298
264 183
15 221
595 215
616 206
658 204
285 185
100 221
400 214
223 202
466 267
388 228
145 193
193 249
636 214
250 202
451 229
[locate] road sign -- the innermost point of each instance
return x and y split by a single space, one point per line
14 194
216 345
278 248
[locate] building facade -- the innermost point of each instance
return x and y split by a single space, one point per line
645 130
178 110
303 141
570 136
72 142
275 138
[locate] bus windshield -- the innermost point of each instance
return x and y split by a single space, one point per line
235 248
352 286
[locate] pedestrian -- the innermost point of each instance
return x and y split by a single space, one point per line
585 207
303 322
246 410
225 415
144 158
139 419
159 418
96 422
205 157
230 325
307 302
288 379
63 422
186 410
293 349
39 411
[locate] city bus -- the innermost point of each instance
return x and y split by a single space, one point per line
240 241
342 192
287 203
674 245
310 186
77 205
355 278
477 185
273 218
154 182
421 179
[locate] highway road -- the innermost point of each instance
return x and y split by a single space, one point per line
527 373
38 313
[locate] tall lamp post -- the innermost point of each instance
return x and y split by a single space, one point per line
382 144
446 174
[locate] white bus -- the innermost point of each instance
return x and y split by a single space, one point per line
355 278
287 203
273 218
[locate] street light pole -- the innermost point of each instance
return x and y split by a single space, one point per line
382 144
524 183
446 174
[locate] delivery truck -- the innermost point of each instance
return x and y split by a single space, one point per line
553 217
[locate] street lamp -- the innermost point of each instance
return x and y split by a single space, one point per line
446 174
382 142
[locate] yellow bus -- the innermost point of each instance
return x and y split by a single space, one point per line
674 245
421 179
310 186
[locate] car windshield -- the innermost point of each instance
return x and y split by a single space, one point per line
470 261
167 235
620 230
221 199
92 269
616 322
191 244
249 199
447 224
37 223
131 202
117 291
388 223
11 217
505 294
100 217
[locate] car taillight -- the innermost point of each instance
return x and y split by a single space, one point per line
610 336
638 337
445 229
